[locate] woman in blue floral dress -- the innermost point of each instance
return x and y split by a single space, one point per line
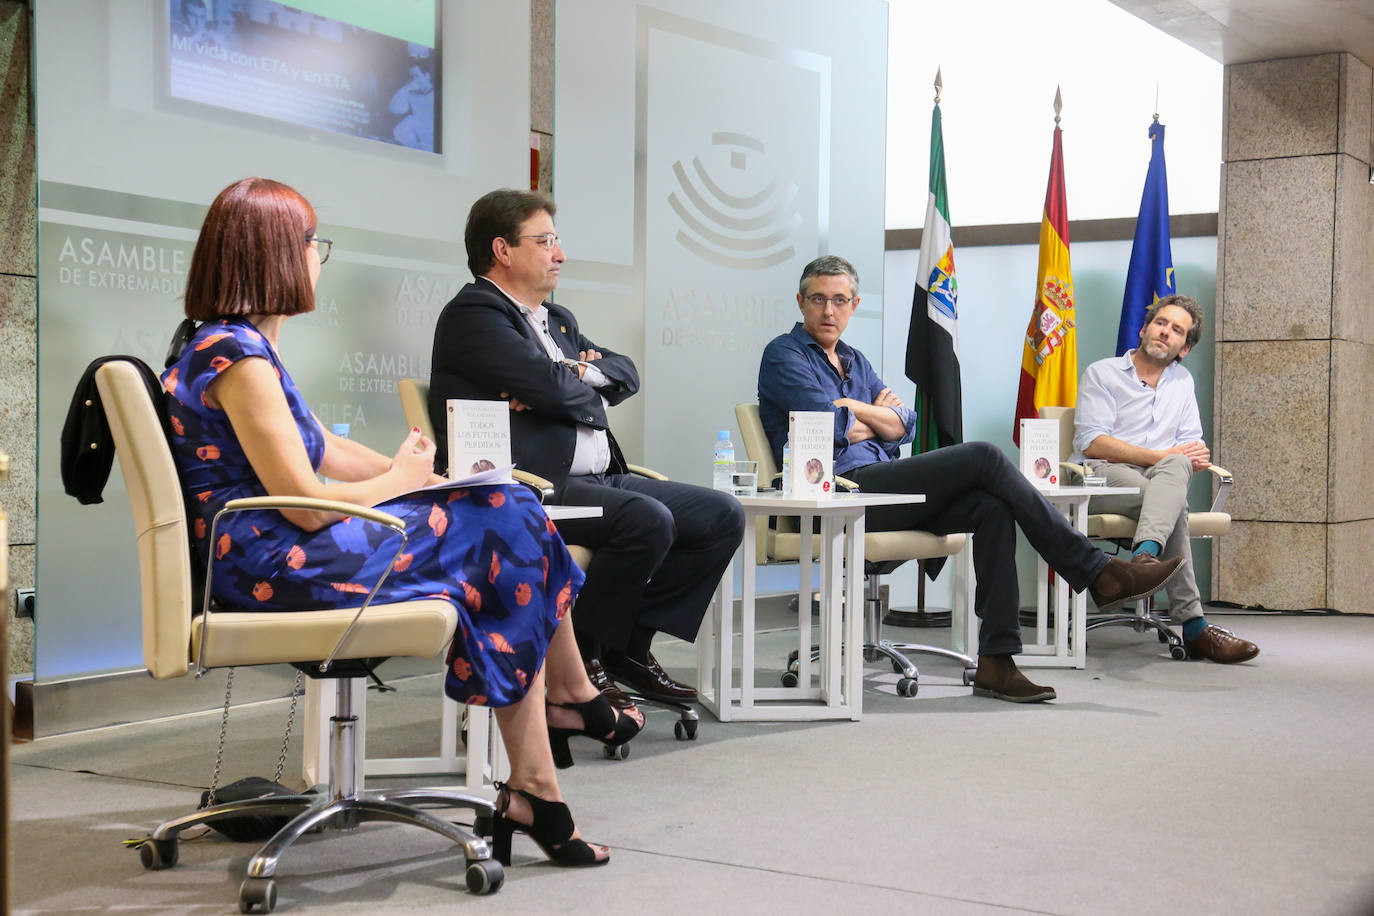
241 428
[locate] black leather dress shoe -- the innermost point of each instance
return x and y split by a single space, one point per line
603 683
648 679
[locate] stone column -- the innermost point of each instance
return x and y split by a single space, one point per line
1295 333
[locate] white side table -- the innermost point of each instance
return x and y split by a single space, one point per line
1065 644
484 760
840 693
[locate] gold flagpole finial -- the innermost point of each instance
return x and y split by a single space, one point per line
939 84
1058 105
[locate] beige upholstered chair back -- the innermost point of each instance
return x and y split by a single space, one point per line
415 402
756 447
1065 417
159 518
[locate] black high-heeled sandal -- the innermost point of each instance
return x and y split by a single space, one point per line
599 722
552 828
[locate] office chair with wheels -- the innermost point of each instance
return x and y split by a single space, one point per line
414 395
1120 531
884 551
180 637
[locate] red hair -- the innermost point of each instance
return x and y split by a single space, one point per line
250 257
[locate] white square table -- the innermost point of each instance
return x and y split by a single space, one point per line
1065 644
484 760
840 692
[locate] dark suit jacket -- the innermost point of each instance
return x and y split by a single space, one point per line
483 346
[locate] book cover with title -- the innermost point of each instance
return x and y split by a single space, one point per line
1040 452
812 458
478 436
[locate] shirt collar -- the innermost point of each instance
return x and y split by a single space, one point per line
538 312
843 350
1127 365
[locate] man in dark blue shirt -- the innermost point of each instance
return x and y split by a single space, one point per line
970 487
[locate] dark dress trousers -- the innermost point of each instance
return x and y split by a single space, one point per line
660 547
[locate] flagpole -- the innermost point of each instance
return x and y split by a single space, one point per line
927 428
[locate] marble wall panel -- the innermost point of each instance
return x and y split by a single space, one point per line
1283 107
18 218
1352 310
1349 574
541 66
1271 428
18 407
19 652
1352 434
1219 316
1356 109
1278 565
1279 232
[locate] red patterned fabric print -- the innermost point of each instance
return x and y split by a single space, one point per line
438 521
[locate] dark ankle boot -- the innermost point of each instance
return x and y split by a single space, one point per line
551 826
999 678
1121 582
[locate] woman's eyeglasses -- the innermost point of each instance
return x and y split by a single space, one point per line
323 246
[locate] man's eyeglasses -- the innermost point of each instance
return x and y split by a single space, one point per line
819 301
323 246
545 241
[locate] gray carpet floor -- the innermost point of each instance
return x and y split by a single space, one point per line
1150 786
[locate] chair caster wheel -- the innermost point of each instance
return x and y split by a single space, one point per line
257 895
484 876
790 679
616 751
969 675
907 687
158 854
685 730
1178 653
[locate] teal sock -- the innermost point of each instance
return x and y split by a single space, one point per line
1150 547
1193 628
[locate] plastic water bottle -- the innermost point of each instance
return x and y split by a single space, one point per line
723 462
787 466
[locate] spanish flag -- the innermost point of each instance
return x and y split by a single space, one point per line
1049 358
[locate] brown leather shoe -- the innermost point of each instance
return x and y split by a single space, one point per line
999 678
648 679
1221 646
1121 582
602 682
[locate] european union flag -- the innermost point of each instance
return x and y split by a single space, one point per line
1151 274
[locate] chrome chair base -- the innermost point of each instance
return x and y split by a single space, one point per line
343 806
1141 622
876 647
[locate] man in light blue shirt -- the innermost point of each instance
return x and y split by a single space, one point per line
968 487
1137 419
